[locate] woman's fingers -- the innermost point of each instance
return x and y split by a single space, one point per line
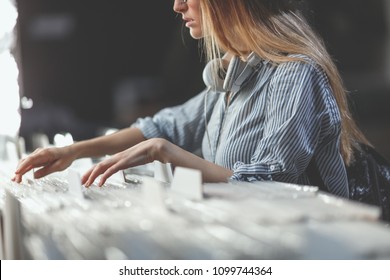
98 169
34 160
49 160
139 154
22 162
105 168
22 165
17 178
19 175
108 173
85 177
47 169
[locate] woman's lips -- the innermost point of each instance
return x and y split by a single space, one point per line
189 22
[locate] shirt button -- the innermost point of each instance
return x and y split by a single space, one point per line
272 167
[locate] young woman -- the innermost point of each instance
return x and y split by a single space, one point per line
274 107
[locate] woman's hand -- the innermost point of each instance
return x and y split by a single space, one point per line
142 153
49 160
149 151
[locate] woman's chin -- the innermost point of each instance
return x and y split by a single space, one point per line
196 34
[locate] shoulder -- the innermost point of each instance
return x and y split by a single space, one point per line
301 68
301 78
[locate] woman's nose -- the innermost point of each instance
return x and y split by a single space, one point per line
179 6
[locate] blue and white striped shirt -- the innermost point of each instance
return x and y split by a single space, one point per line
282 119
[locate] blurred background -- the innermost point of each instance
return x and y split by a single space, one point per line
92 64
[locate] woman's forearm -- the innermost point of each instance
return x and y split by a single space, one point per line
211 173
108 144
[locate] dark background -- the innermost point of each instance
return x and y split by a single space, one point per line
93 64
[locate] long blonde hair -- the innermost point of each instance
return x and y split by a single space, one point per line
273 29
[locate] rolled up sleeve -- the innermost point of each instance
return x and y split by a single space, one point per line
183 124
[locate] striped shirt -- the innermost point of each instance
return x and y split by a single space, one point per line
283 118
